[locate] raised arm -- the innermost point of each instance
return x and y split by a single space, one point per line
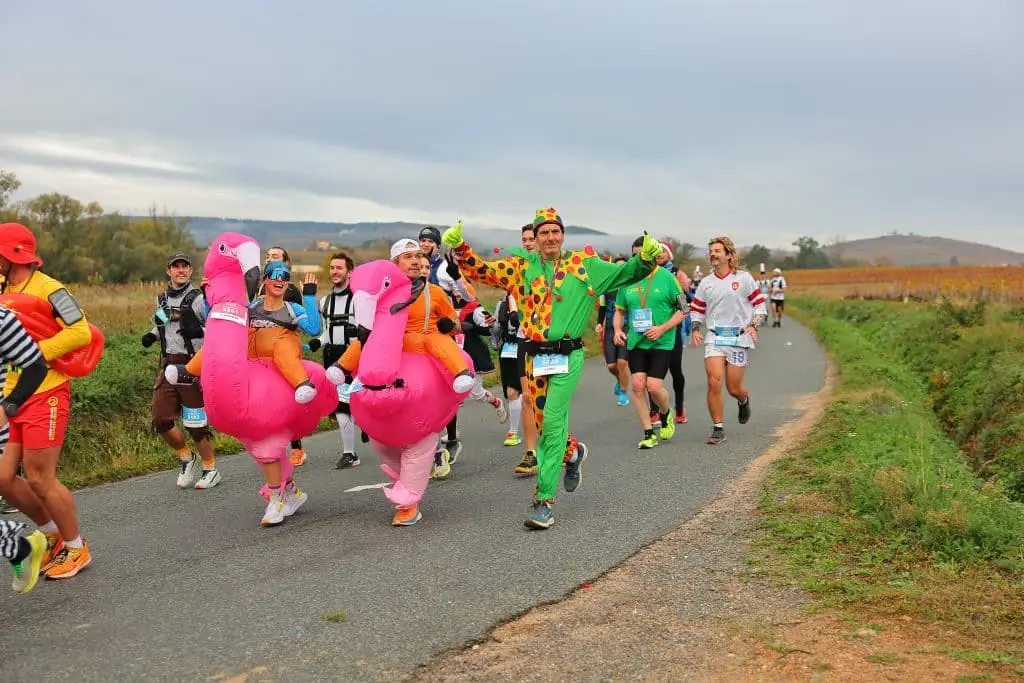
506 274
605 276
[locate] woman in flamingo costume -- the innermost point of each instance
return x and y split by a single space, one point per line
249 398
407 395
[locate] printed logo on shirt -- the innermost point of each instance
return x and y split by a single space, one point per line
735 286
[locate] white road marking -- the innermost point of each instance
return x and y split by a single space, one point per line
367 486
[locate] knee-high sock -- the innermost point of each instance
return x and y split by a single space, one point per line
515 413
478 393
348 432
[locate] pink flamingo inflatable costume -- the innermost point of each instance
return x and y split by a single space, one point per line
407 398
250 398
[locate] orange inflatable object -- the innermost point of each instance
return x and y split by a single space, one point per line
36 316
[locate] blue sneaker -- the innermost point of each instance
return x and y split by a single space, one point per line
541 516
616 389
622 400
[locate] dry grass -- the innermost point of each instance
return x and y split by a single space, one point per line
1003 284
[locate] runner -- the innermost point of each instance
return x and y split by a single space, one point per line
179 320
654 307
731 307
675 366
38 427
25 552
555 291
295 296
614 354
764 283
338 314
777 294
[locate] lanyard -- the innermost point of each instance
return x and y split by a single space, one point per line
650 285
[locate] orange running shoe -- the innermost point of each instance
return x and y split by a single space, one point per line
298 456
54 544
70 561
406 516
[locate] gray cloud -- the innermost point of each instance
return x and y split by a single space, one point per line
766 120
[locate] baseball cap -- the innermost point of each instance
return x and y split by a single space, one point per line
178 256
404 246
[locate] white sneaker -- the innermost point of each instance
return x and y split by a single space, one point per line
335 374
502 412
275 509
190 469
304 394
462 384
294 498
209 479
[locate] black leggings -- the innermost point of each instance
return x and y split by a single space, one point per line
675 367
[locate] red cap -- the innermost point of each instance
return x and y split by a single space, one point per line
18 244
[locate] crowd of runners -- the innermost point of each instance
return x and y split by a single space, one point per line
647 311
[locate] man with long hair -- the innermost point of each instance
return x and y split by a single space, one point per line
727 311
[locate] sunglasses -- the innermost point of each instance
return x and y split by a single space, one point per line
279 274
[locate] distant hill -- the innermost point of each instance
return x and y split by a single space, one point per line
916 250
300 234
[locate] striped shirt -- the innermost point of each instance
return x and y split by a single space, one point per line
16 349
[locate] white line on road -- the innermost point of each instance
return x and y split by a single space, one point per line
367 486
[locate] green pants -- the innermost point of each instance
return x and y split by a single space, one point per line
551 397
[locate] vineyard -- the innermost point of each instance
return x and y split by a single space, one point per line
1003 284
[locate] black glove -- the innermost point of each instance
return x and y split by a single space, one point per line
148 339
308 288
314 345
445 325
452 268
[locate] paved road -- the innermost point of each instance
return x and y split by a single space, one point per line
186 586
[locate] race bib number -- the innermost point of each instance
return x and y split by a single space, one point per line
510 350
641 319
727 336
231 312
550 364
193 417
460 340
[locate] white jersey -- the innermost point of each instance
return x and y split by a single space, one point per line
776 287
765 285
727 304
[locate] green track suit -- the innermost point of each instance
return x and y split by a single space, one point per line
556 301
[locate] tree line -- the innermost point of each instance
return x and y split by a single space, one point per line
83 243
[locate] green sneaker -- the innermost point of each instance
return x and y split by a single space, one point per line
668 430
541 516
649 440
26 572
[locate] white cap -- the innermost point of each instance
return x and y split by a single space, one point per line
778 270
404 247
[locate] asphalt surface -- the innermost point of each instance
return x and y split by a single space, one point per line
186 585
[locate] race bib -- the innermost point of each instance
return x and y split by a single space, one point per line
510 350
727 336
641 320
550 364
342 392
193 417
460 340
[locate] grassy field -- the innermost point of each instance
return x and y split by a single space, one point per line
110 436
904 502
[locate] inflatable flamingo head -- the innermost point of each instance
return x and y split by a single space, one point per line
382 295
232 254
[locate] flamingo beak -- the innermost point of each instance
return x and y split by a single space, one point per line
248 255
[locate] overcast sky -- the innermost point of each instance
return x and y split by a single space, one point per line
762 119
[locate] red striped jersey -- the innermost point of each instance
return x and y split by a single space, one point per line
731 300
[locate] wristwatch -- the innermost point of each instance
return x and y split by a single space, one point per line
10 408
